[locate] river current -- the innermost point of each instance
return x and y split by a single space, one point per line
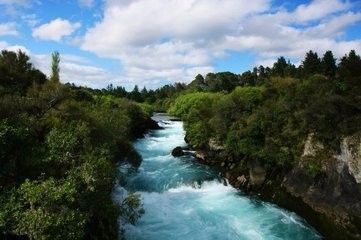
185 200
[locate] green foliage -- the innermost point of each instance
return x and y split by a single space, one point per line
147 108
223 81
270 122
312 64
184 103
328 64
65 143
131 208
55 69
47 209
12 157
59 146
279 67
17 73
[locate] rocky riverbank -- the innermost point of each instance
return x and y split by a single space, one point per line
329 196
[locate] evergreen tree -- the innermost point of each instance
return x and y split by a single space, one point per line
144 93
55 69
290 70
261 72
199 79
349 74
329 64
312 64
350 65
110 87
135 94
279 67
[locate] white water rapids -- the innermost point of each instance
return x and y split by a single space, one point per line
184 200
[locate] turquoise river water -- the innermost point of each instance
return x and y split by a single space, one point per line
185 200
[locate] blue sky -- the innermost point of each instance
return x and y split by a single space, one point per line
154 42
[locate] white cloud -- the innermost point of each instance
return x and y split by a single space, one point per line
158 41
86 3
170 40
15 2
12 7
6 46
144 22
75 69
335 25
318 9
8 29
166 40
55 30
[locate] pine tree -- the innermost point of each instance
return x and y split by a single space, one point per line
311 64
279 67
328 64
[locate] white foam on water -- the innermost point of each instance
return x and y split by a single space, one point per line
210 187
180 204
160 158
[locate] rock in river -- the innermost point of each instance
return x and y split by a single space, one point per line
177 152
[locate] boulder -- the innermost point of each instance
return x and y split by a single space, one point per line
200 155
215 145
257 174
241 179
186 139
177 152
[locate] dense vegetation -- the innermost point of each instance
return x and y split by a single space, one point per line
59 146
267 114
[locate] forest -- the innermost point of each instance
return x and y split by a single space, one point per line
267 113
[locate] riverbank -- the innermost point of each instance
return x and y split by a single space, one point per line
310 197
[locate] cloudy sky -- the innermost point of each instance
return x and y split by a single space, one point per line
156 42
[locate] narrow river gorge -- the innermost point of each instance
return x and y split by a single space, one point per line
185 200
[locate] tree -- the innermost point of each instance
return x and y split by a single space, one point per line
144 93
350 65
349 74
199 79
198 83
17 73
248 78
312 64
261 72
47 210
55 69
110 87
290 70
328 64
279 67
261 75
135 95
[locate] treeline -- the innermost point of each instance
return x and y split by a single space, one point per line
266 115
59 147
226 81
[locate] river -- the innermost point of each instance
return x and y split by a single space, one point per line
185 200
